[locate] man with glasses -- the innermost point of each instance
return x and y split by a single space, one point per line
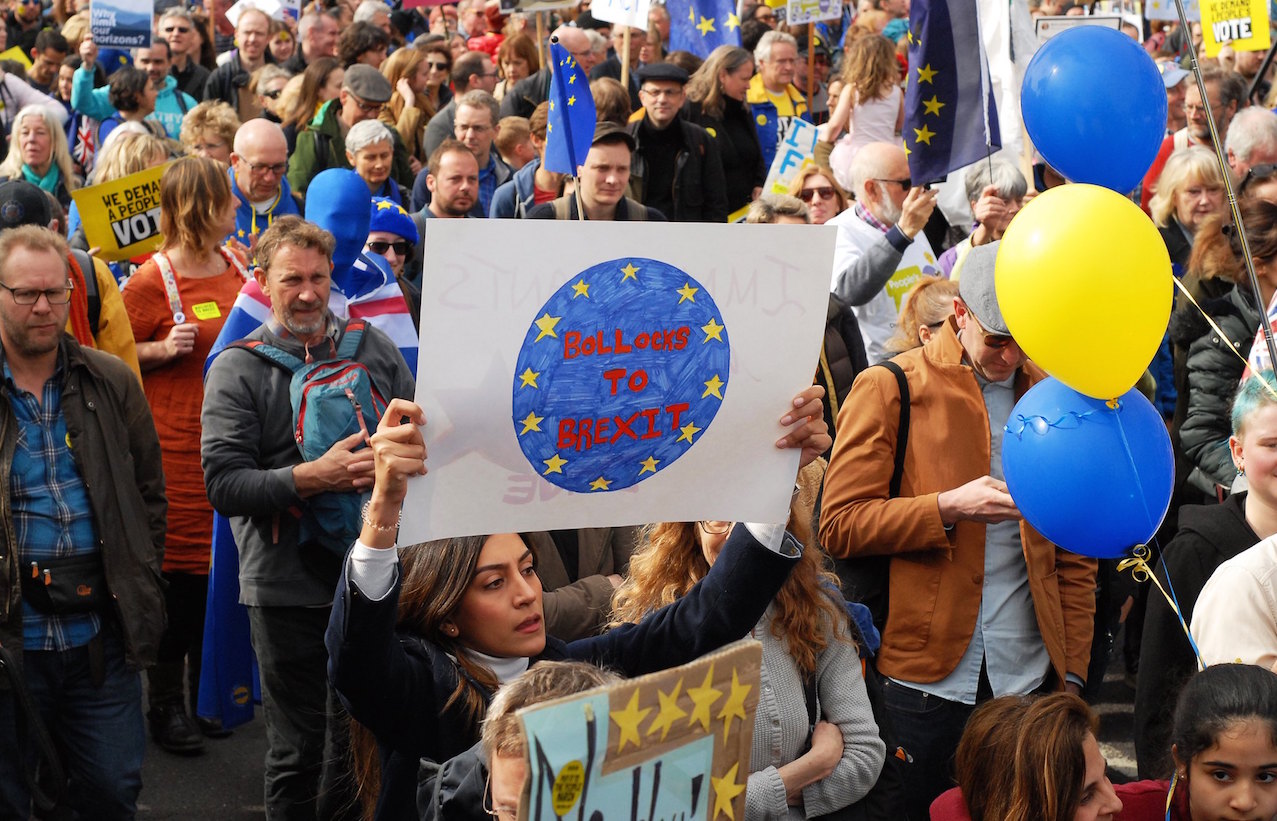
881 246
85 517
473 70
978 603
1250 144
177 28
772 98
676 167
252 34
259 162
322 144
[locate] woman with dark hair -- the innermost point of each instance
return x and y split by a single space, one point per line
439 74
716 102
517 58
321 82
363 43
133 98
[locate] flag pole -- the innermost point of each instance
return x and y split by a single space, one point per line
1247 259
811 66
625 59
541 37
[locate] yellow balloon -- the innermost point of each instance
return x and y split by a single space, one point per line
1083 281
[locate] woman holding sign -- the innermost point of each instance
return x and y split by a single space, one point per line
177 303
418 643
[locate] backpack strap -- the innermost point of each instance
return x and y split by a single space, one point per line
89 273
351 338
170 286
270 353
902 431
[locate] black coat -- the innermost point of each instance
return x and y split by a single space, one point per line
699 193
738 148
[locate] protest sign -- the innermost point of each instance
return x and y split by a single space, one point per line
122 217
797 148
121 23
632 13
600 373
1165 10
1047 26
674 744
813 11
1241 24
16 53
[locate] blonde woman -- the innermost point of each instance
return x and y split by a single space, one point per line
38 154
409 108
1189 191
208 130
926 307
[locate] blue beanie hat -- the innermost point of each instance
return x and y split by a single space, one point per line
390 217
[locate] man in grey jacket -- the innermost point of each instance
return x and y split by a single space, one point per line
256 476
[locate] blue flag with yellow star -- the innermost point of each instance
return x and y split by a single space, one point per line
569 130
700 26
950 118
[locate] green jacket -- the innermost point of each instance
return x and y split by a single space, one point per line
322 145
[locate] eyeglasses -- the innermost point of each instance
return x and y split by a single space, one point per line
30 296
906 183
1197 109
365 106
277 169
401 247
176 30
995 341
823 192
662 92
500 813
437 66
1256 173
715 528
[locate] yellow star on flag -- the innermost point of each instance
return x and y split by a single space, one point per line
580 289
554 465
552 105
687 292
649 465
733 22
705 26
703 697
531 422
548 128
600 484
572 100
546 326
669 712
628 721
712 331
912 40
933 105
571 79
691 15
630 271
906 147
924 134
529 377
714 387
926 73
241 233
734 707
725 791
689 430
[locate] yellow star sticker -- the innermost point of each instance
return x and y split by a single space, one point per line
629 270
546 326
714 387
703 697
572 100
628 721
733 22
687 292
580 289
529 377
926 73
924 134
600 484
933 105
531 422
712 331
734 707
669 712
649 465
705 26
725 791
554 465
689 430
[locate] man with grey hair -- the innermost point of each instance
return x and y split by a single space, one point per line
1251 141
375 12
773 99
475 126
177 27
252 34
881 249
995 192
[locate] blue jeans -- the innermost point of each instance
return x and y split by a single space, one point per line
98 731
929 728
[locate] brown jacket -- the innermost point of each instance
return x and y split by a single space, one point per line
578 601
936 575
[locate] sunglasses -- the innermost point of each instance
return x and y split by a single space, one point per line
437 66
991 340
176 30
1257 173
824 192
402 247
905 183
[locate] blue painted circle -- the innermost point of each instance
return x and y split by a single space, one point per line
621 371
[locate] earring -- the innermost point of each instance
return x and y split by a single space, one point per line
451 630
1241 468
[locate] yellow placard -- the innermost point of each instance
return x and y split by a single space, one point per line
206 310
122 217
1241 24
16 53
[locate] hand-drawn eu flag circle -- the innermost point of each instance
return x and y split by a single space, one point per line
621 373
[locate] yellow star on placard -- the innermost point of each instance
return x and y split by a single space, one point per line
705 26
554 465
714 387
531 422
630 271
924 134
733 22
725 791
703 697
546 326
933 105
687 292
669 712
600 484
572 100
628 721
712 331
529 377
580 289
689 430
926 73
734 707
649 465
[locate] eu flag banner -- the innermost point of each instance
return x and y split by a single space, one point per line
950 118
700 26
569 130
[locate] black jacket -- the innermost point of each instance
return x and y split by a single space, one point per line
1208 536
526 95
699 193
225 82
737 140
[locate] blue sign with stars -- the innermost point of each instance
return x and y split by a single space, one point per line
620 373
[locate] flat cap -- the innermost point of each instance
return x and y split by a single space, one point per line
367 83
662 71
611 132
976 287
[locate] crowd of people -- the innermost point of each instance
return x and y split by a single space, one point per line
925 652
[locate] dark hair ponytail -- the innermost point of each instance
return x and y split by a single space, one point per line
1216 699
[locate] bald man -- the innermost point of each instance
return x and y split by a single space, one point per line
529 92
259 162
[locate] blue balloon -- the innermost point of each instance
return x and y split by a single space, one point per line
1095 107
1094 477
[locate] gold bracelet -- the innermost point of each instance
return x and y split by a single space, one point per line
379 528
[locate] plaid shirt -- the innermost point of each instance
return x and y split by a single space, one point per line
52 514
870 219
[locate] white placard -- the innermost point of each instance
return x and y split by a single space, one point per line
812 11
595 374
632 13
796 149
1048 26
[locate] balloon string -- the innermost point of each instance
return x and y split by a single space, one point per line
1141 572
1223 336
1135 471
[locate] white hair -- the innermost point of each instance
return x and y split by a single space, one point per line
598 43
865 167
367 11
365 133
1253 127
763 51
1000 174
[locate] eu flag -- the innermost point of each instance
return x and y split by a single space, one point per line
950 118
700 26
569 129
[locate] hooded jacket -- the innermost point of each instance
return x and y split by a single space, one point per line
171 105
515 197
249 223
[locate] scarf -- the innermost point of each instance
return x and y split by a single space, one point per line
49 182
